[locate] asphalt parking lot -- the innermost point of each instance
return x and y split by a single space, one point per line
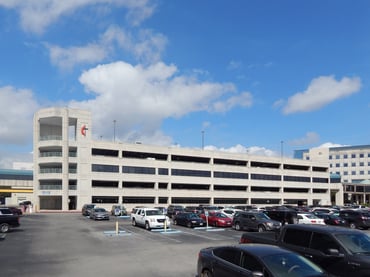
69 244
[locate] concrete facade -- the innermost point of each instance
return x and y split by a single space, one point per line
72 169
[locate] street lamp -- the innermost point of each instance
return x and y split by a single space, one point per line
202 139
114 130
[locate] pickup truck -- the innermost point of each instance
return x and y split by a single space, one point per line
150 218
340 251
8 220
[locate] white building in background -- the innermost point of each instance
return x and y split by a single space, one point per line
71 169
351 164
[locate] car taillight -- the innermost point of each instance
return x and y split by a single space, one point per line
313 221
245 240
336 221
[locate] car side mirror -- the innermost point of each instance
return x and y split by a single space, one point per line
334 253
257 274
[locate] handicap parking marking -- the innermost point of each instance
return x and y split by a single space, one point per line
166 231
211 229
115 233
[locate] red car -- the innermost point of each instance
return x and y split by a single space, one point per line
218 219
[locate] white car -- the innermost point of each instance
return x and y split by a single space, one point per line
309 218
230 211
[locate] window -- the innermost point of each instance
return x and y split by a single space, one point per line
353 156
251 263
353 172
297 237
232 255
361 155
138 170
230 175
337 165
345 156
337 157
189 172
323 242
104 168
345 165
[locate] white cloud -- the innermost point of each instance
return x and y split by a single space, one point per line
309 138
37 15
243 100
147 47
17 107
139 97
66 58
321 91
330 144
253 150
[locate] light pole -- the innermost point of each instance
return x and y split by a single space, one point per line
114 130
202 139
282 148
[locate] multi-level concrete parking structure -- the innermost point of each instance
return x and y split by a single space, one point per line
71 169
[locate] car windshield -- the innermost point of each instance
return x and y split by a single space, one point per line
99 210
310 216
262 216
219 215
290 264
153 212
356 243
193 216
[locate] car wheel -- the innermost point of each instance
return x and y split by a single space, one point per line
189 225
147 226
261 228
4 228
237 226
206 273
352 225
134 222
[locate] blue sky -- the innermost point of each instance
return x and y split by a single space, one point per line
247 74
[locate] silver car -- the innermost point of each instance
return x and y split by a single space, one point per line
99 214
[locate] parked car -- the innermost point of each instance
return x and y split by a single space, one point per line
8 220
163 210
332 219
118 210
325 210
99 214
14 210
356 218
231 211
340 251
254 260
309 218
86 209
254 221
174 209
189 219
217 219
193 209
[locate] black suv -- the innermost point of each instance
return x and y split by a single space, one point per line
356 218
174 209
255 221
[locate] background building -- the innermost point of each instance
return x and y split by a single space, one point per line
71 169
351 164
